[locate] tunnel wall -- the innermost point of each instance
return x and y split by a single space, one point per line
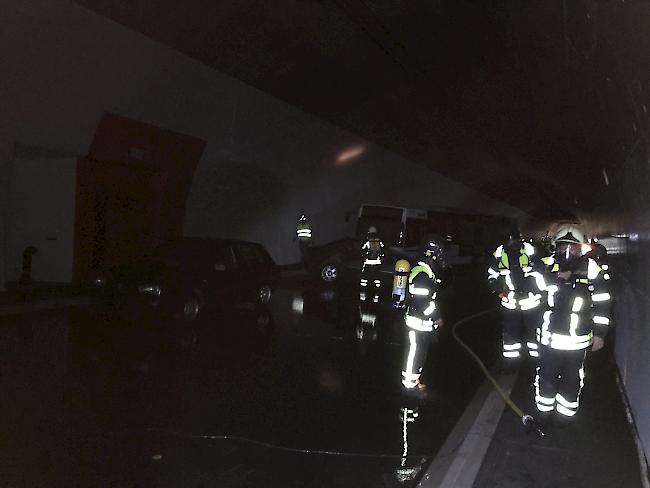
623 62
265 161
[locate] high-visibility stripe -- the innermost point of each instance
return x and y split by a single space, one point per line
544 408
544 400
372 261
533 354
509 282
429 310
601 297
498 252
511 306
410 378
529 248
567 343
515 346
573 324
531 345
493 273
577 304
551 289
530 302
601 320
510 354
421 267
565 411
414 290
606 276
563 401
539 280
592 269
419 324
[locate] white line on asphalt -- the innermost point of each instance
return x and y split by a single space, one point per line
461 470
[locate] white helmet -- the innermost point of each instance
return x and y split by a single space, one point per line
563 231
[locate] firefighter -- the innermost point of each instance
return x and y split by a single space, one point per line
422 318
515 275
373 251
303 234
576 318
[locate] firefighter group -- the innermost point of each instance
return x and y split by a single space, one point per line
554 306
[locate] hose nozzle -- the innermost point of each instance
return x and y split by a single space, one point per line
532 425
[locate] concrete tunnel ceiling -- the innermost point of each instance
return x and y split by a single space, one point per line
505 97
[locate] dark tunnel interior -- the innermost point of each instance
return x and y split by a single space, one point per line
169 319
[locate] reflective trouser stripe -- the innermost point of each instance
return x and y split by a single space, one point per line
564 410
511 350
409 377
544 404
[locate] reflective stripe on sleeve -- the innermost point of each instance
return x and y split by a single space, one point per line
414 290
601 320
429 310
600 297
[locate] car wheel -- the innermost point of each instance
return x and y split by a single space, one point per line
191 308
329 272
265 295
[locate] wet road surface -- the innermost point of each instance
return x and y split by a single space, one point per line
304 394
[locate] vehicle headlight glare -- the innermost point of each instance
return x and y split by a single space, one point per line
152 290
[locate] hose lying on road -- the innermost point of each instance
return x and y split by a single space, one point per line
527 420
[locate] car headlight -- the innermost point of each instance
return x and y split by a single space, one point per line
151 290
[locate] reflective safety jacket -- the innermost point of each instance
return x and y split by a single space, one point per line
303 230
577 308
421 309
373 251
517 278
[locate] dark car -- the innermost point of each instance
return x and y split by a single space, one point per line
186 278
326 261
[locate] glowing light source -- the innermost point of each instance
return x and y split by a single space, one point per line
349 154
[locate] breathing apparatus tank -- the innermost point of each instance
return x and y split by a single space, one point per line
400 281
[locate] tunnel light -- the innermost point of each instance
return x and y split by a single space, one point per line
349 154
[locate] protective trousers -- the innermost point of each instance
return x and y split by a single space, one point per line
519 332
369 284
558 381
417 347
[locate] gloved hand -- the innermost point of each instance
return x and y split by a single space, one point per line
598 343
